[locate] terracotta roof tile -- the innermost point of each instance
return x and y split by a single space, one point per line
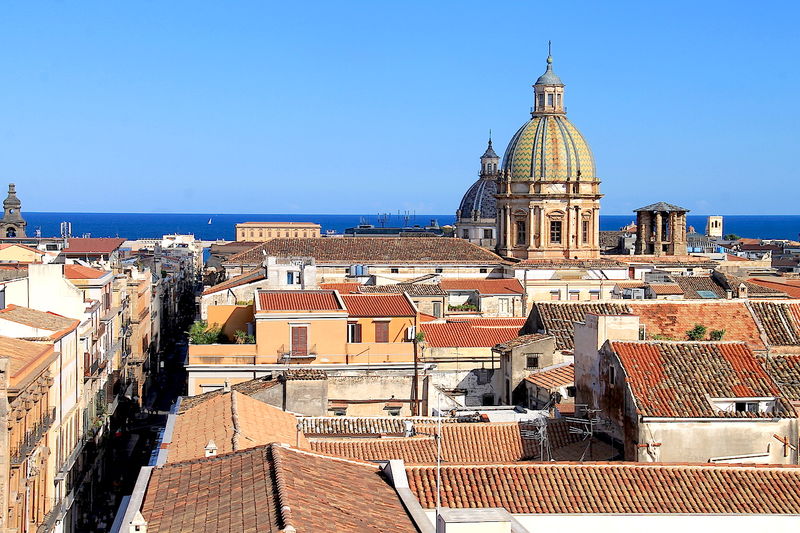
372 250
378 305
297 300
522 340
785 371
351 426
412 289
461 443
691 284
251 276
780 321
343 288
558 319
465 335
234 422
38 319
618 488
665 289
92 246
248 388
484 286
676 379
673 319
554 377
83 272
22 355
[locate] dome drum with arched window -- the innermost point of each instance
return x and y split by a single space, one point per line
476 218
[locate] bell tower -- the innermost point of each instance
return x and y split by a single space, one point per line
12 225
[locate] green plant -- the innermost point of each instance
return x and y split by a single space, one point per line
419 337
201 333
462 307
697 333
716 334
731 237
242 337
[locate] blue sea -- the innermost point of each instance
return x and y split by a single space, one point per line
221 226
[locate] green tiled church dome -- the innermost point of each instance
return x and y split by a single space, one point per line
549 148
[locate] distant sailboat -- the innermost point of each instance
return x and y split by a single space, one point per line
209 221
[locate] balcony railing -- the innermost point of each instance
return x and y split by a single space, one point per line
31 439
289 355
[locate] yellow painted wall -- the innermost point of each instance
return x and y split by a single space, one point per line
232 318
325 336
20 254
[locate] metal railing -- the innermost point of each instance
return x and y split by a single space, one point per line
32 438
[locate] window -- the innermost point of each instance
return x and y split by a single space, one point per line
555 231
381 332
532 361
746 407
439 270
487 234
585 231
483 270
393 410
465 234
612 375
353 332
394 270
437 309
299 341
574 295
521 236
290 278
555 295
339 410
260 233
571 391
541 100
594 295
503 306
550 99
558 99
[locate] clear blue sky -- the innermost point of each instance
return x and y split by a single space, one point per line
349 107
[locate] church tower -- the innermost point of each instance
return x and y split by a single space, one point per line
548 196
476 215
12 225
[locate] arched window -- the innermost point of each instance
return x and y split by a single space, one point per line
11 232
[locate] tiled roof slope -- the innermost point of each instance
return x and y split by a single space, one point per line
551 378
83 272
269 489
92 245
293 300
788 286
37 319
247 388
413 289
378 305
619 488
522 340
465 335
234 422
351 426
676 379
780 321
232 493
461 443
785 371
372 250
673 319
250 276
343 288
558 319
691 284
666 289
503 322
484 286
22 354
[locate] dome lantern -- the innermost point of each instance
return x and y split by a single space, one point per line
548 91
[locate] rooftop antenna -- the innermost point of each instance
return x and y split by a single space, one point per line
383 218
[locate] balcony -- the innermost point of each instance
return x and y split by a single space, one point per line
291 355
31 439
91 366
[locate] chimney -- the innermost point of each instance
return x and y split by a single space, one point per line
487 520
227 386
138 524
211 449
590 336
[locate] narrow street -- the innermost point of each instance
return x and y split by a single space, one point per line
134 446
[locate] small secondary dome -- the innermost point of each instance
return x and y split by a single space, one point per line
479 201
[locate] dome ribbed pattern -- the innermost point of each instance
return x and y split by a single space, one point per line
480 198
549 148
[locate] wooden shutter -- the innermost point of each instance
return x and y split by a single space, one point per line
381 332
299 341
